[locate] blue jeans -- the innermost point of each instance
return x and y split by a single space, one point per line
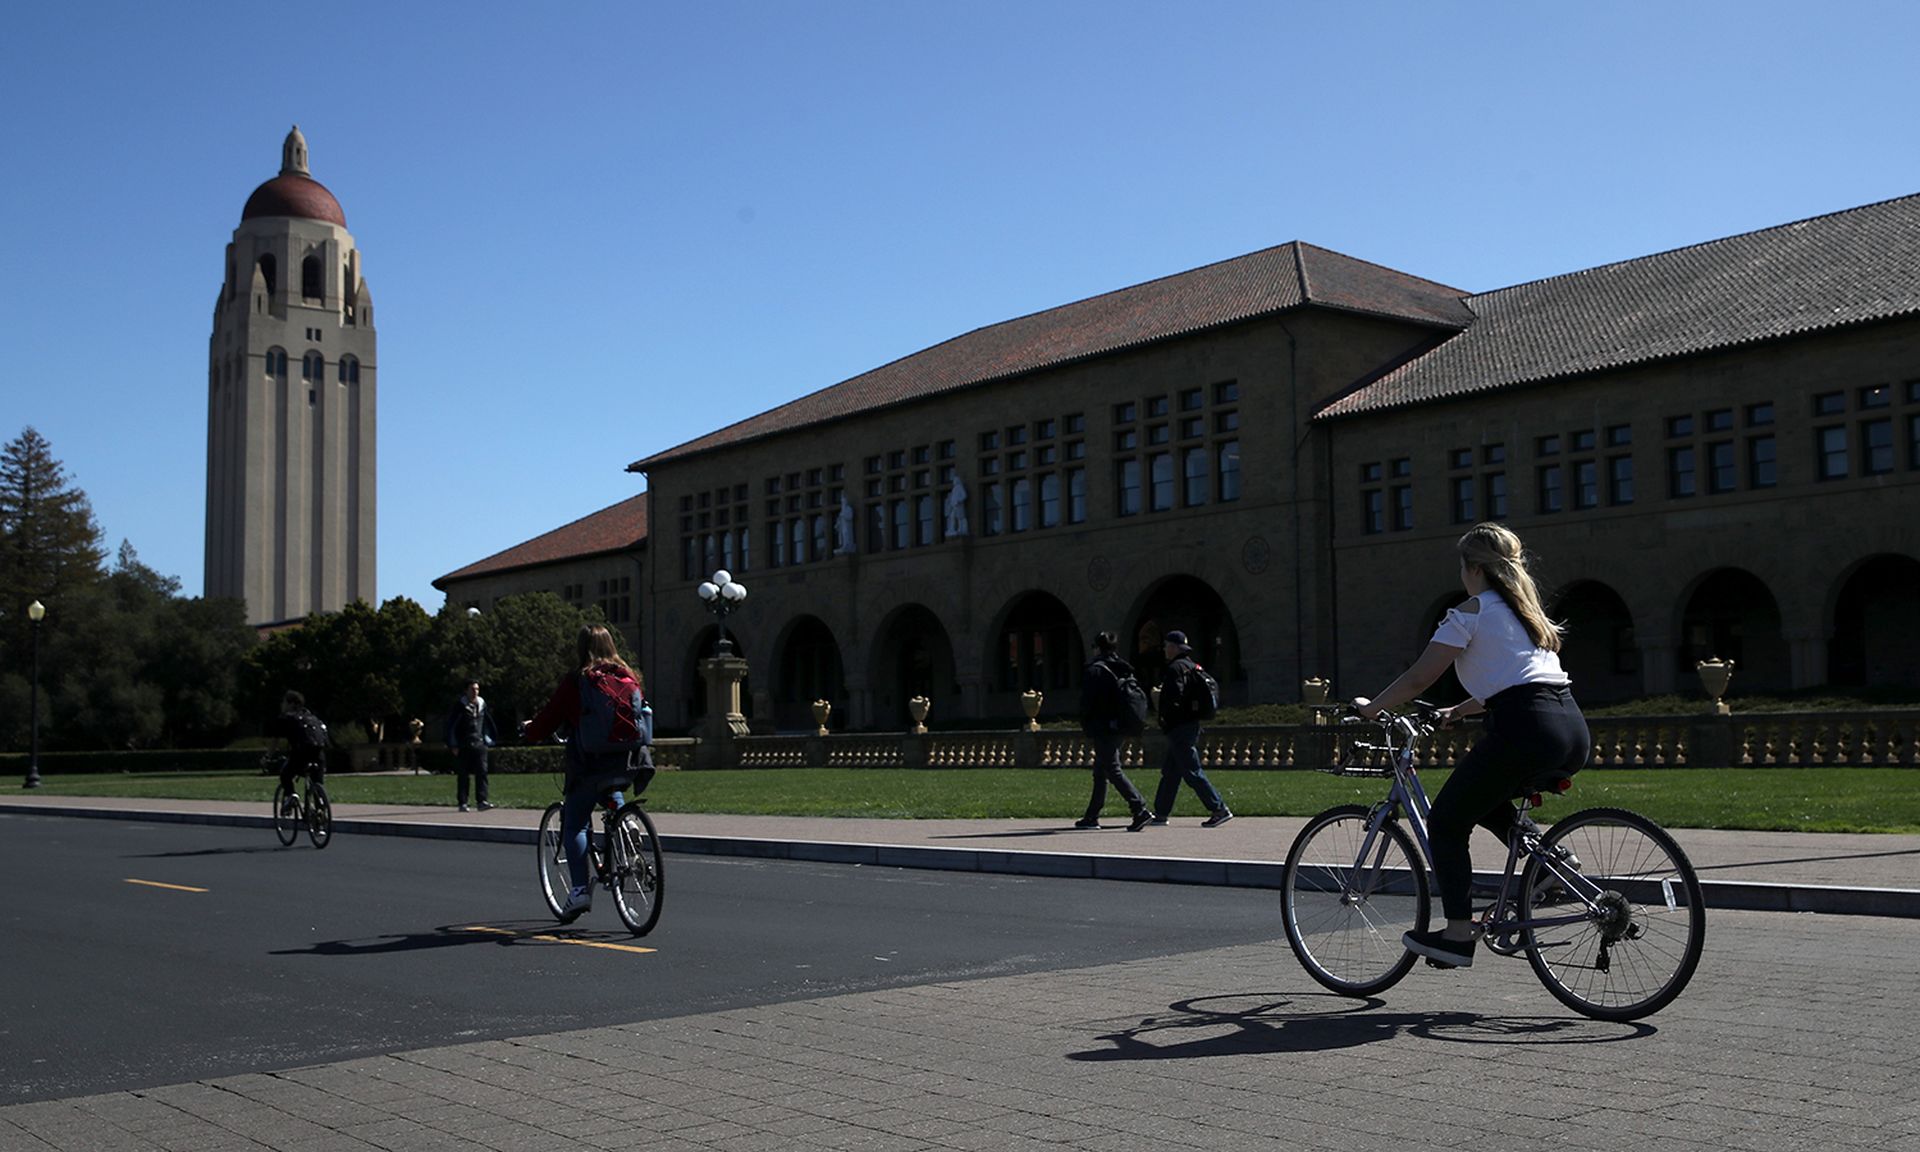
576 819
1183 763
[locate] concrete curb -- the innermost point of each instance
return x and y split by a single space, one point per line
1742 895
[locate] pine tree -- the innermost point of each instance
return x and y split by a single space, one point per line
49 541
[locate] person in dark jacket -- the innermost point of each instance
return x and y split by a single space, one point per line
1102 709
470 732
1181 721
306 740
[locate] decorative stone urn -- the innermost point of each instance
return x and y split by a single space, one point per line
917 707
821 710
1715 675
1314 689
1030 702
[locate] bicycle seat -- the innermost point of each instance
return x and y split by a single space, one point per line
1556 781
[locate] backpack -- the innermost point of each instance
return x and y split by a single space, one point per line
1134 706
308 733
1203 694
614 717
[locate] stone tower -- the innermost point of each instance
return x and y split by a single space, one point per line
291 384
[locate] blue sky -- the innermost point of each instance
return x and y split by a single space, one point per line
596 230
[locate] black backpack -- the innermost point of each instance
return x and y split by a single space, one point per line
1134 706
1203 694
308 732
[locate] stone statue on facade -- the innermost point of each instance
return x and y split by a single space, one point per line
956 508
843 529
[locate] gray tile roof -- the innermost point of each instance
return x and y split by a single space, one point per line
1261 283
1851 267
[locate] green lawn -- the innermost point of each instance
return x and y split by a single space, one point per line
1790 799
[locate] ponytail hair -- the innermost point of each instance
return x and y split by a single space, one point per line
1496 552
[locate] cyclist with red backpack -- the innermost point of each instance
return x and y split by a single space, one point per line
602 706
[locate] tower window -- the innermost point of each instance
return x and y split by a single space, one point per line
270 272
312 368
310 278
349 371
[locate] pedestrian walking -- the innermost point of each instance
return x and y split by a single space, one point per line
1187 696
1108 695
470 732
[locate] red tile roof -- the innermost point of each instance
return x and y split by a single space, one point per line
620 528
1263 283
1853 267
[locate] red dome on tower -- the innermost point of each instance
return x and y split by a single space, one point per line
294 192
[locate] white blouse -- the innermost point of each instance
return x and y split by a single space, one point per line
1498 652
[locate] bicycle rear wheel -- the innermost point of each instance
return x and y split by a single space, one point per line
286 815
1344 914
555 880
635 870
1645 923
319 815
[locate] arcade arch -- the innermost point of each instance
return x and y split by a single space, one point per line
1876 625
913 656
1186 604
1731 614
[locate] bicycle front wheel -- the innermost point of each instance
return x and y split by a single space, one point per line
319 816
635 870
1345 911
286 815
555 880
1635 919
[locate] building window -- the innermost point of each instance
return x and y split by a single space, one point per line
1227 452
1550 495
1875 396
1760 466
1719 420
1831 444
902 526
1680 472
777 538
1050 500
349 370
797 541
1494 484
1876 446
1720 471
310 288
1020 497
1619 479
312 368
1586 484
876 527
923 520
1194 476
817 524
1160 470
1077 494
1402 507
1127 485
1913 441
990 517
1373 511
1463 500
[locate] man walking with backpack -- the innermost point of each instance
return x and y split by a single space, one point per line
1112 707
1188 695
470 732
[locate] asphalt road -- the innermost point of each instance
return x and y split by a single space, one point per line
134 955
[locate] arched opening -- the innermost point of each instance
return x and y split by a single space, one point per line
1447 689
1188 604
349 370
1598 650
1732 615
310 280
1876 626
1037 648
270 272
807 668
914 657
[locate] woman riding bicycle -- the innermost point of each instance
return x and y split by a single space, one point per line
598 668
1505 651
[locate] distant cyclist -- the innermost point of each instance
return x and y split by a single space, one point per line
306 738
601 691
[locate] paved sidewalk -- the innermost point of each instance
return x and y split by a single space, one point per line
1763 871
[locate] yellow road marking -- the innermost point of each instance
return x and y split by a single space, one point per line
547 939
157 884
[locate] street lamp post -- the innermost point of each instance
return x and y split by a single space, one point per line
36 612
722 595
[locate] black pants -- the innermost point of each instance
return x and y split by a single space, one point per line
315 770
1106 768
471 761
1532 730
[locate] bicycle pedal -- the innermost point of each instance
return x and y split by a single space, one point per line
1440 964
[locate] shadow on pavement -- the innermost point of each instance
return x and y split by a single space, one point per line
456 935
1252 1024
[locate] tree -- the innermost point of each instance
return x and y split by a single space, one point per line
49 542
518 650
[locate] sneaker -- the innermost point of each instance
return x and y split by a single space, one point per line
486 805
1086 823
1157 820
1217 819
1141 819
463 807
578 900
1439 950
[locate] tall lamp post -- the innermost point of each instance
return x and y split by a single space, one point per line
36 612
722 595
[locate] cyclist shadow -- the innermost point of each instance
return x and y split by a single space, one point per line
534 932
1252 1024
251 848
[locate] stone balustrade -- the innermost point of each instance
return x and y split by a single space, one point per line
1876 737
